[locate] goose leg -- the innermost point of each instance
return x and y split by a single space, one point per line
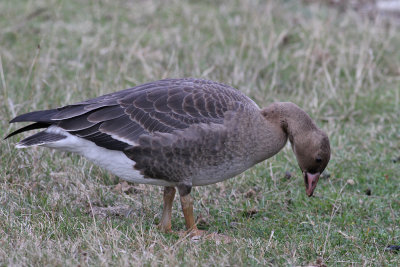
187 208
169 195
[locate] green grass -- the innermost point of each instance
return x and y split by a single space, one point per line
341 67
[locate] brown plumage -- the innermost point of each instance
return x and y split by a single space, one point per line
180 133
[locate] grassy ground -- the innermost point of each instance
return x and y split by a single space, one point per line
344 70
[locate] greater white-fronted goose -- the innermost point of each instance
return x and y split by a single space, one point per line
180 133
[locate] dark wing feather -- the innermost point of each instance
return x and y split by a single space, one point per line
117 120
106 114
41 138
36 116
101 139
33 126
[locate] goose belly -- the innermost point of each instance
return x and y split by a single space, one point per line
220 173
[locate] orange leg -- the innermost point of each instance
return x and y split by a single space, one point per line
169 195
194 232
187 208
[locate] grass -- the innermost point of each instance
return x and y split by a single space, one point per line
342 68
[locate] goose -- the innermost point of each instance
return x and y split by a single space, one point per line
179 133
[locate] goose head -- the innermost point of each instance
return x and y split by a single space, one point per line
312 152
309 143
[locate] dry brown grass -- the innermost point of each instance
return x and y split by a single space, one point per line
340 67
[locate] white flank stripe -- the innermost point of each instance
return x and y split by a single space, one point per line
112 160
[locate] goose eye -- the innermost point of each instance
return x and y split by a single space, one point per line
318 160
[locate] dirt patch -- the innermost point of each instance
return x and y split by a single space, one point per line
117 211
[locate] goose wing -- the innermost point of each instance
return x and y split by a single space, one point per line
117 120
